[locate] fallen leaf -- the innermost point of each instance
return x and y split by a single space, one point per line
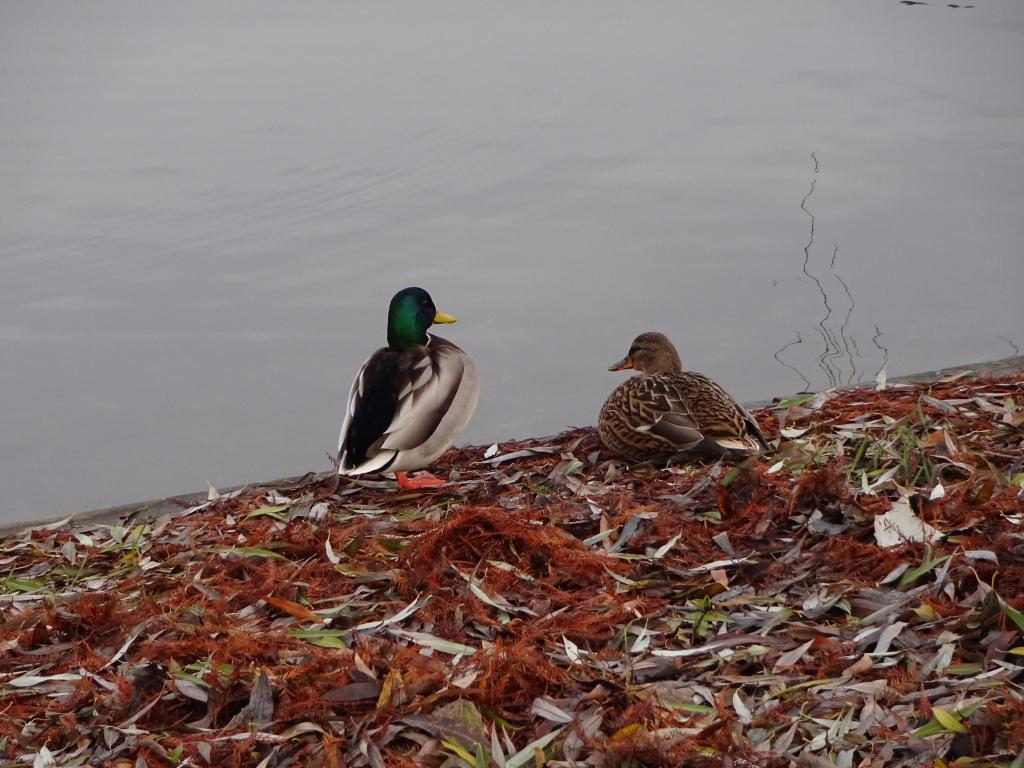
790 658
292 608
863 664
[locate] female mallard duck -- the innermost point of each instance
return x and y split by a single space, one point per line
411 399
666 412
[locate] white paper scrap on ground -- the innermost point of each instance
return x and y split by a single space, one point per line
900 525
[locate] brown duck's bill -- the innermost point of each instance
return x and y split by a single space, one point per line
441 317
624 364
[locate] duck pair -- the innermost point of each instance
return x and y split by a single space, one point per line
412 398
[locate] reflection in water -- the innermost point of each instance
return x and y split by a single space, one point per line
793 368
830 359
1010 344
204 211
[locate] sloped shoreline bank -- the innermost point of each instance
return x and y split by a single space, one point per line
859 596
140 510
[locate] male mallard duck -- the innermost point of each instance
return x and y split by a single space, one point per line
411 399
666 412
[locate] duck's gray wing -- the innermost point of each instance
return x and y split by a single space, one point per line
426 395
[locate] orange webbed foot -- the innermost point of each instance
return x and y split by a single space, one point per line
420 480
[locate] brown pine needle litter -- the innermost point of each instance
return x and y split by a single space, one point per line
856 599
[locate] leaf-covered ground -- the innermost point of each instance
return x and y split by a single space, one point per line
552 606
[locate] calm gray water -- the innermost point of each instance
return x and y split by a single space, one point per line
205 208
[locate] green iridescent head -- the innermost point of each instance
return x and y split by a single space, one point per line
411 313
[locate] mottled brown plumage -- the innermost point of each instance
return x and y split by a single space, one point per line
665 412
